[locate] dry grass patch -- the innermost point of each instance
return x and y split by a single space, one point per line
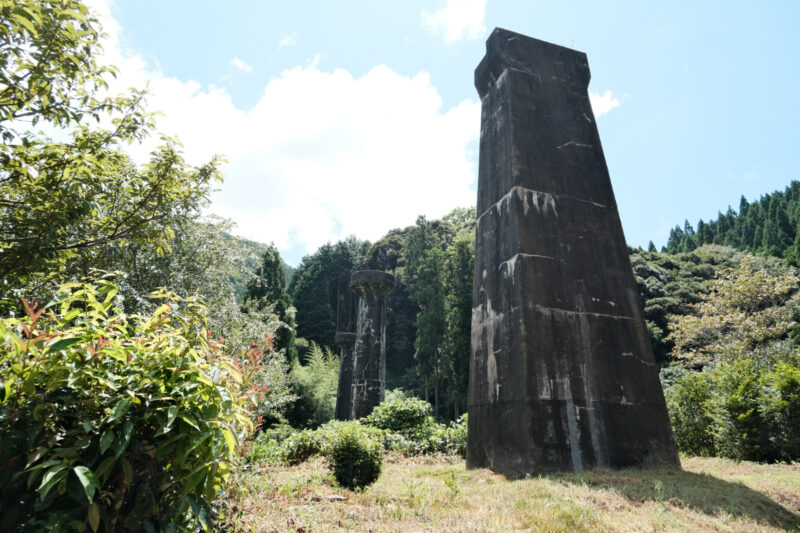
438 494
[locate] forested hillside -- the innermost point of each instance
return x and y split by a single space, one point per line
252 251
429 309
767 226
428 312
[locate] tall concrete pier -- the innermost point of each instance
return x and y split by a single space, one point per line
369 367
344 394
562 373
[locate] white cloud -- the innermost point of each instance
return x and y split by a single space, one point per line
322 154
241 65
458 19
288 40
603 103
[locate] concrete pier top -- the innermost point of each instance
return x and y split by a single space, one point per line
343 338
375 279
549 62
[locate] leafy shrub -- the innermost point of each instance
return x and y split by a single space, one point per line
354 453
395 394
740 428
267 447
409 427
300 447
127 424
781 405
744 410
457 436
314 385
406 416
687 401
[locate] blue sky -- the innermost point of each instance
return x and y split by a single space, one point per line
354 117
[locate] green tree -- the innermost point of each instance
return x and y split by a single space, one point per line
429 294
424 273
268 287
458 281
669 284
747 310
126 421
69 206
767 226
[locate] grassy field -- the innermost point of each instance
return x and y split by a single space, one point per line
439 494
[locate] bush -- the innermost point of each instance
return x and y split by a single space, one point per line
124 424
314 385
688 403
300 447
406 416
457 436
744 410
740 429
354 453
267 445
781 406
409 427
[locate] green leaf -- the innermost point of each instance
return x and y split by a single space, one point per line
46 464
106 440
27 24
171 413
37 454
88 481
51 478
71 315
201 511
104 469
110 296
193 480
62 344
124 439
230 440
194 444
191 422
120 409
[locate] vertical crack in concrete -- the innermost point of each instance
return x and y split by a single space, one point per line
596 429
572 425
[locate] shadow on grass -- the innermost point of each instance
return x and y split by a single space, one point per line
700 492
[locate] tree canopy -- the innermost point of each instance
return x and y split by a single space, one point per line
768 226
68 206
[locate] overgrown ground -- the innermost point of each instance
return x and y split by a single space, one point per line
439 494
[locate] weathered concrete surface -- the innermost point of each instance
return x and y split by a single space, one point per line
344 394
562 373
369 367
